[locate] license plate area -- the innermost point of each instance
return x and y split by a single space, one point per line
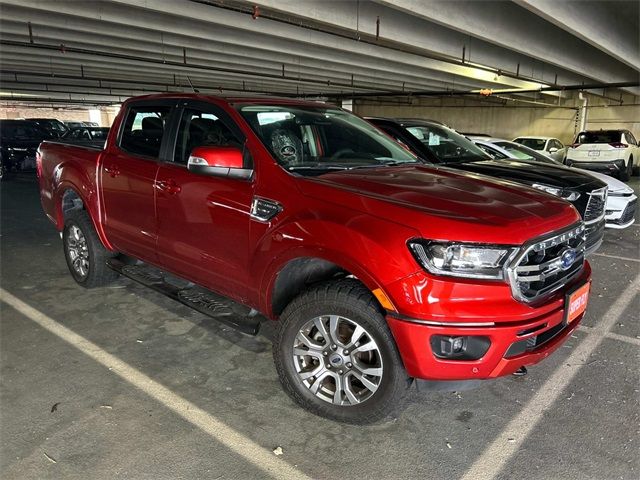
576 302
594 153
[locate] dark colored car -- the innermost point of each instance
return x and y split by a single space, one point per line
444 146
88 136
75 124
19 140
53 126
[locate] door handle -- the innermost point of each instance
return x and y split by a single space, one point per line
169 186
112 171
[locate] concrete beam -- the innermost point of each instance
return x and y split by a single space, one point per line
514 28
235 27
612 27
413 29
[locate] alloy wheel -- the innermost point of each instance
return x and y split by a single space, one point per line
78 251
337 360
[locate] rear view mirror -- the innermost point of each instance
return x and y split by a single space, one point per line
553 150
218 162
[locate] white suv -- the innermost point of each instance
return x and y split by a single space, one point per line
609 151
549 146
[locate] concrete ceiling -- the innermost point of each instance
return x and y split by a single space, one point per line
101 52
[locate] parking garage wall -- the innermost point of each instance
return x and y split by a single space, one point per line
507 118
31 112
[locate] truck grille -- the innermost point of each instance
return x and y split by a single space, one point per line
547 264
594 234
595 205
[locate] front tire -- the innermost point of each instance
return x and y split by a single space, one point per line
86 256
335 354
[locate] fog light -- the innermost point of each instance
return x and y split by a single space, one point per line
459 348
450 345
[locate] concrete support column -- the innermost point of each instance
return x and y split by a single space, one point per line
95 116
348 104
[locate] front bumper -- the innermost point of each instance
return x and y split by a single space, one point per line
480 312
620 211
606 166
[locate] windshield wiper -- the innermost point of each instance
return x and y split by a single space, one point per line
316 167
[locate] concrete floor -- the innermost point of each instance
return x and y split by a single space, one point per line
571 417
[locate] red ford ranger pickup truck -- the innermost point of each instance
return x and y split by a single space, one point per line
379 267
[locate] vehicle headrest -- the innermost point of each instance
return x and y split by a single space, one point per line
211 131
150 124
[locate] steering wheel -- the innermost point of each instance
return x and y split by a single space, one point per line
340 153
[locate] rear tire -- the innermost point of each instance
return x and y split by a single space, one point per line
626 174
86 256
353 372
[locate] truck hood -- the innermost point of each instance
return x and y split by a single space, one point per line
530 172
441 203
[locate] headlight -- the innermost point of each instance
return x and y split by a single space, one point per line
558 192
462 260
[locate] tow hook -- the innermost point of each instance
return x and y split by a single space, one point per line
521 372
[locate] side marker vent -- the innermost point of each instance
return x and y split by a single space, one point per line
263 209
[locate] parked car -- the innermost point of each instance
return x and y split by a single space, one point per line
89 136
620 209
379 268
19 140
552 147
53 126
447 147
75 124
612 151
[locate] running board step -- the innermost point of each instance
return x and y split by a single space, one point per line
215 306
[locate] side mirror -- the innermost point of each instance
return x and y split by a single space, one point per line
218 162
553 150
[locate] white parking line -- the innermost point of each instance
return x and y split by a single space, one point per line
492 460
253 453
616 257
615 336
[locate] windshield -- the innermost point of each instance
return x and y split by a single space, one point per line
533 143
446 144
602 136
313 140
525 153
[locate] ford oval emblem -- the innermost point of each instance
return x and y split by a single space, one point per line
567 258
288 150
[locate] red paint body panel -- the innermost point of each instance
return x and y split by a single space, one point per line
200 228
413 339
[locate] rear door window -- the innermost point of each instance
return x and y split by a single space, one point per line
630 138
534 143
601 136
143 130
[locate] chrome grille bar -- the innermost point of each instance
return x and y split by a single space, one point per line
547 264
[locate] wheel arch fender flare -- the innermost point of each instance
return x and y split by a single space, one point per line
320 264
89 198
